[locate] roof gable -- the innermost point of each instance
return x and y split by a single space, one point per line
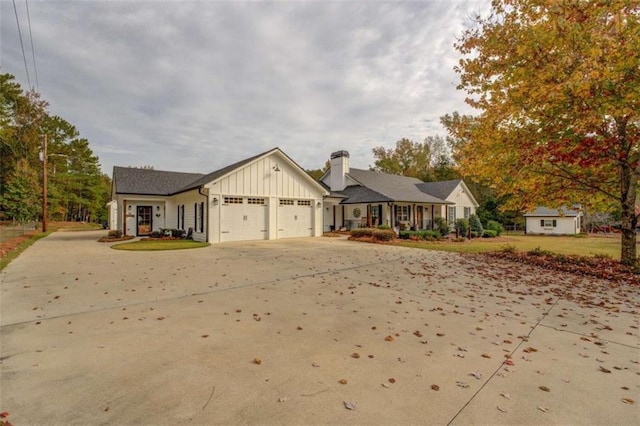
441 189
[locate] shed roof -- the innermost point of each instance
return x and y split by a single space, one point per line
563 211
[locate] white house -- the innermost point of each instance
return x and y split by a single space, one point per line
267 196
366 198
563 221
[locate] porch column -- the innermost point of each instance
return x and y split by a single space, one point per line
368 215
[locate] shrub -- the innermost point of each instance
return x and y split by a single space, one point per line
362 232
489 233
156 234
492 225
442 226
383 234
539 252
406 235
422 235
476 226
115 234
508 248
383 227
462 227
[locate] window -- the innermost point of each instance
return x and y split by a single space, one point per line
374 211
284 202
452 214
202 217
548 223
195 216
467 212
304 203
403 214
259 201
233 200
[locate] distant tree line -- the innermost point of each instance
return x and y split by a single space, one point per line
76 189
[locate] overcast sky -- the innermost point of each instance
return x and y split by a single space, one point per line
196 85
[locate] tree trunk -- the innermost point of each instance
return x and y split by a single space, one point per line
629 220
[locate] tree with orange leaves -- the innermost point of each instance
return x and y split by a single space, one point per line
557 87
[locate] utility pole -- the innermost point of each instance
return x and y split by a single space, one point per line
44 185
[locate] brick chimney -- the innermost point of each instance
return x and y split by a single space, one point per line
339 170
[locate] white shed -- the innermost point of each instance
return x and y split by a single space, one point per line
563 221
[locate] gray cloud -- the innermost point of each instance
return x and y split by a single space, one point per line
194 86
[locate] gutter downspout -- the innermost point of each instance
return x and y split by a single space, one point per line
200 188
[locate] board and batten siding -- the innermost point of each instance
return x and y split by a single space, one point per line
188 199
260 179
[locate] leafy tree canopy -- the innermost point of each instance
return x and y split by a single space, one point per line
556 85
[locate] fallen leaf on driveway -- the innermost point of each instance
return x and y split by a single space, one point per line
389 338
543 409
342 381
355 355
435 387
257 360
502 410
628 400
604 370
349 405
477 375
462 384
544 388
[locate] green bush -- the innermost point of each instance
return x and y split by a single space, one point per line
476 226
539 252
383 234
405 235
492 225
422 235
462 227
383 227
442 226
362 232
489 233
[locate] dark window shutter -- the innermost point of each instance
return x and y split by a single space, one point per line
554 223
542 223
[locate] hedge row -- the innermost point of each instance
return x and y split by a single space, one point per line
377 234
421 235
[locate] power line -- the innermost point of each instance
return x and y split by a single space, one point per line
33 52
21 44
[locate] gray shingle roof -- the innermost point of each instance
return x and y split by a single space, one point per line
360 194
547 212
130 180
394 187
440 189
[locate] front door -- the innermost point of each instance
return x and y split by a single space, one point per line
419 218
144 220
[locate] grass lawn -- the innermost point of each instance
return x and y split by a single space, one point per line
579 245
152 245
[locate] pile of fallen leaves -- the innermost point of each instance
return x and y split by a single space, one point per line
599 267
10 244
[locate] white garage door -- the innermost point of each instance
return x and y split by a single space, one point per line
244 218
295 218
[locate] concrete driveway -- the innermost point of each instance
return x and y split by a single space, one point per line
91 335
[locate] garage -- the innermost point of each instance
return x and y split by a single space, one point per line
244 218
295 218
